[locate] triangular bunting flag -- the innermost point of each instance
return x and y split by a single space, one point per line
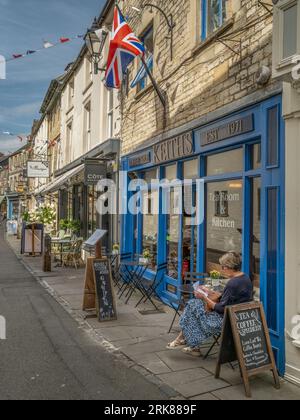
48 44
64 40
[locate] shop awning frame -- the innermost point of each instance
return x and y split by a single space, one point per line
58 182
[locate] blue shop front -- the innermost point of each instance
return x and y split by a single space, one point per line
240 159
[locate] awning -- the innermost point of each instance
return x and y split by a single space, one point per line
59 182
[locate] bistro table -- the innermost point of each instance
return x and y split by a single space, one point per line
61 243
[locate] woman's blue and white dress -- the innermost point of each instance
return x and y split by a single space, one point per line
198 325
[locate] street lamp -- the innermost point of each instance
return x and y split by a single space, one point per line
95 40
169 20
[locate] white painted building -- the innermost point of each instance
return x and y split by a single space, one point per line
286 60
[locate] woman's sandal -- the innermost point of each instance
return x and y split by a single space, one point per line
176 344
195 352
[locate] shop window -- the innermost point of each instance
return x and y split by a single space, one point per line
273 137
190 229
148 40
290 31
150 204
227 162
255 236
224 234
213 16
172 199
92 211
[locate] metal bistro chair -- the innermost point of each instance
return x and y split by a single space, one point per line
73 257
187 293
118 271
150 289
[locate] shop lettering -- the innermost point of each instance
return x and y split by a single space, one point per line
176 148
224 197
226 131
222 223
140 160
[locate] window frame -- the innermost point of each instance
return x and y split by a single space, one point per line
143 84
204 19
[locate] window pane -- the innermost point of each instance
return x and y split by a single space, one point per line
190 169
228 162
290 31
150 224
255 156
213 15
224 220
173 234
255 233
171 172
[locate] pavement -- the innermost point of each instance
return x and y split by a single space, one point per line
139 338
49 356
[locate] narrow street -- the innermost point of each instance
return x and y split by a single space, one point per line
46 356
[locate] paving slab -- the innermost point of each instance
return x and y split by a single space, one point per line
201 386
177 361
183 377
205 397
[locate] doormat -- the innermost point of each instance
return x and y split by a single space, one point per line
152 312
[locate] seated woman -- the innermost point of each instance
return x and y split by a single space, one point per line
203 316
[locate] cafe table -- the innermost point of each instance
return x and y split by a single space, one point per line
62 243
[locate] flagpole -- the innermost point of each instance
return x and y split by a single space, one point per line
154 83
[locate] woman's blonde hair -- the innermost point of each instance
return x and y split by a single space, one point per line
231 260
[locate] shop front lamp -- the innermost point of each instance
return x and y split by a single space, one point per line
95 39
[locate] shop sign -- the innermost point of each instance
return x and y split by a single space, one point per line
226 131
94 172
38 169
176 148
140 160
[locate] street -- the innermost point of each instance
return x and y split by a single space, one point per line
46 356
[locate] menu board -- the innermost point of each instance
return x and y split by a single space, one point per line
105 299
246 339
253 338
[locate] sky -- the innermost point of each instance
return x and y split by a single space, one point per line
24 25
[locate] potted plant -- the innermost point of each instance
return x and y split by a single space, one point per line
215 277
63 224
146 257
116 249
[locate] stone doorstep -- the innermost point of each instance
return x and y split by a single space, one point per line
191 378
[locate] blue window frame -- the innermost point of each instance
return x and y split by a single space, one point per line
148 41
213 16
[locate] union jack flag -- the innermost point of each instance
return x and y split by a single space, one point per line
124 48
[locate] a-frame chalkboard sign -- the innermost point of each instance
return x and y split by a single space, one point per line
105 297
246 339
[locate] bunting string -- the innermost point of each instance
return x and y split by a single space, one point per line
46 45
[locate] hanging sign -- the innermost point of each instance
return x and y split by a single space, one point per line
246 339
38 169
94 171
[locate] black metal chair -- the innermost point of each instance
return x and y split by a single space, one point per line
150 289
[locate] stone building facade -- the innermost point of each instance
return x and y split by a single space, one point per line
204 74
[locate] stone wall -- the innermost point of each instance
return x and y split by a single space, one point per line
203 76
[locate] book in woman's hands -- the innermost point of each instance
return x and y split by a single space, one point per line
199 289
